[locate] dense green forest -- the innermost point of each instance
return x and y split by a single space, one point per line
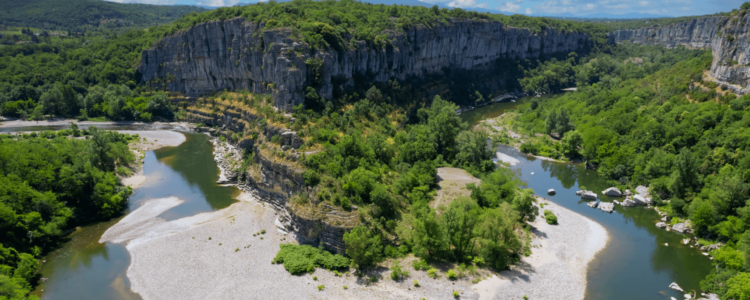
49 183
645 117
87 15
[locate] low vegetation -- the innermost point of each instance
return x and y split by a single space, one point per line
298 259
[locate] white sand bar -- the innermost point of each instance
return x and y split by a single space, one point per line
507 158
557 268
160 138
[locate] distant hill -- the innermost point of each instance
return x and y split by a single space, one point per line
80 15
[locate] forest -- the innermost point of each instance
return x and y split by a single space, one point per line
645 116
88 15
51 182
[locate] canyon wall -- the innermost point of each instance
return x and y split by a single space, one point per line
238 54
726 36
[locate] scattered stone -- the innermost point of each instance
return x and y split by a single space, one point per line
705 253
666 244
283 148
589 195
703 248
551 192
578 193
616 202
628 203
664 219
686 241
592 204
628 193
607 207
688 296
675 287
613 192
661 225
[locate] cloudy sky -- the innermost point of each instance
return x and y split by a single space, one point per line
536 7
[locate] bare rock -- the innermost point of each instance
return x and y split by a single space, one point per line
675 287
612 192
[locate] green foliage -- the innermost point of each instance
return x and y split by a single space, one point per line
397 273
298 259
550 217
363 246
451 274
432 273
739 287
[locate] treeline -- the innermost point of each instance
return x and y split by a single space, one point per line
86 15
48 184
640 129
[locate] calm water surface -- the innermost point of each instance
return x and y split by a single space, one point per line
635 264
83 268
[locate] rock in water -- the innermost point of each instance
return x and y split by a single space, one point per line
641 200
589 195
551 192
661 225
680 227
628 203
675 287
628 193
642 190
578 193
613 192
686 241
607 207
592 204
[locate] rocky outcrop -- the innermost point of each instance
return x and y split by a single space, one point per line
239 54
726 36
612 192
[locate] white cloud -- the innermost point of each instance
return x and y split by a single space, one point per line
157 2
217 3
467 4
511 7
528 11
643 3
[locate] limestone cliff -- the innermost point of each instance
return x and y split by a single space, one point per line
726 36
238 54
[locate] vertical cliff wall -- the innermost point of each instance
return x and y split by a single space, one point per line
238 54
726 36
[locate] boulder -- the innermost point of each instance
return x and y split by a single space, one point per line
613 192
661 225
686 241
641 190
607 207
589 195
628 203
616 202
628 193
592 204
551 192
675 287
578 193
641 200
680 227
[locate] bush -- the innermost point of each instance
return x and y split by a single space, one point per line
550 217
416 283
321 287
298 259
420 264
451 274
397 273
455 294
432 272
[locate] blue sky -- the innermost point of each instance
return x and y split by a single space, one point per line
536 7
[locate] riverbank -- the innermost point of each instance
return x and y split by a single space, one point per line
558 265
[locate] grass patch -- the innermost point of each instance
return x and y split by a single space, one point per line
298 259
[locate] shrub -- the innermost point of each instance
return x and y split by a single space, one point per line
416 283
550 217
397 273
432 272
321 287
345 287
315 277
451 274
420 264
298 259
455 294
373 279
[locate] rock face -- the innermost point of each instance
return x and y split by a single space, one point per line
726 36
238 54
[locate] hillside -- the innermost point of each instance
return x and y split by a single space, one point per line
79 15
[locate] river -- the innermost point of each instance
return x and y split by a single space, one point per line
640 260
636 264
83 268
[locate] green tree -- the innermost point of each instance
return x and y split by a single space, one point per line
570 143
429 237
524 204
363 246
459 221
500 245
739 287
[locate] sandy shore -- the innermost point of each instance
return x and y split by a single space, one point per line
25 123
150 140
559 263
177 260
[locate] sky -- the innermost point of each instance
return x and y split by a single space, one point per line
544 7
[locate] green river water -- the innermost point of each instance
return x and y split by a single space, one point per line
634 265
